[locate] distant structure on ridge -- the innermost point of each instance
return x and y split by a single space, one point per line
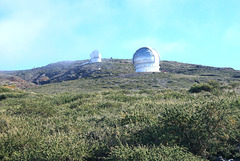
146 59
95 57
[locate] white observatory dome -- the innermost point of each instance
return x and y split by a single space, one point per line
146 59
95 57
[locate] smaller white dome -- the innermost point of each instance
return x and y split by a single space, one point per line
95 57
146 59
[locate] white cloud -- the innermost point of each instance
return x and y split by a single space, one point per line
53 30
33 30
173 47
17 35
165 49
27 25
232 35
153 12
43 25
20 27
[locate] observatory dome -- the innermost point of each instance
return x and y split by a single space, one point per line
95 57
146 59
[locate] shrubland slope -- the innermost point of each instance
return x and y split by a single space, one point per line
149 124
115 68
14 82
106 111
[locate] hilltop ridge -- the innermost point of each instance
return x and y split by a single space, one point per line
72 70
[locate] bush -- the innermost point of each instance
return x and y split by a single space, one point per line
2 97
208 87
34 107
207 129
3 125
11 95
24 146
196 88
214 84
204 130
154 153
3 89
134 117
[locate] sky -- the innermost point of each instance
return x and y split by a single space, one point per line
35 33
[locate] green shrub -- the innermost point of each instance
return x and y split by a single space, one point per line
12 95
208 87
2 97
24 146
153 153
3 89
35 107
214 84
64 98
109 105
134 117
3 125
206 129
234 84
203 129
196 88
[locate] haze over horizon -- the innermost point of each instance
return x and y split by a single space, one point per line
36 33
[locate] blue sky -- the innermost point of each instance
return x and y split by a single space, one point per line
35 33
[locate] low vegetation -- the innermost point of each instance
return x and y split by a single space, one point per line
106 111
118 123
208 87
119 68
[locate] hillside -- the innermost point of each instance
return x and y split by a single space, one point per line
14 82
118 68
106 111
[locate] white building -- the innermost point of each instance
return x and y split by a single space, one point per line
146 59
95 57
